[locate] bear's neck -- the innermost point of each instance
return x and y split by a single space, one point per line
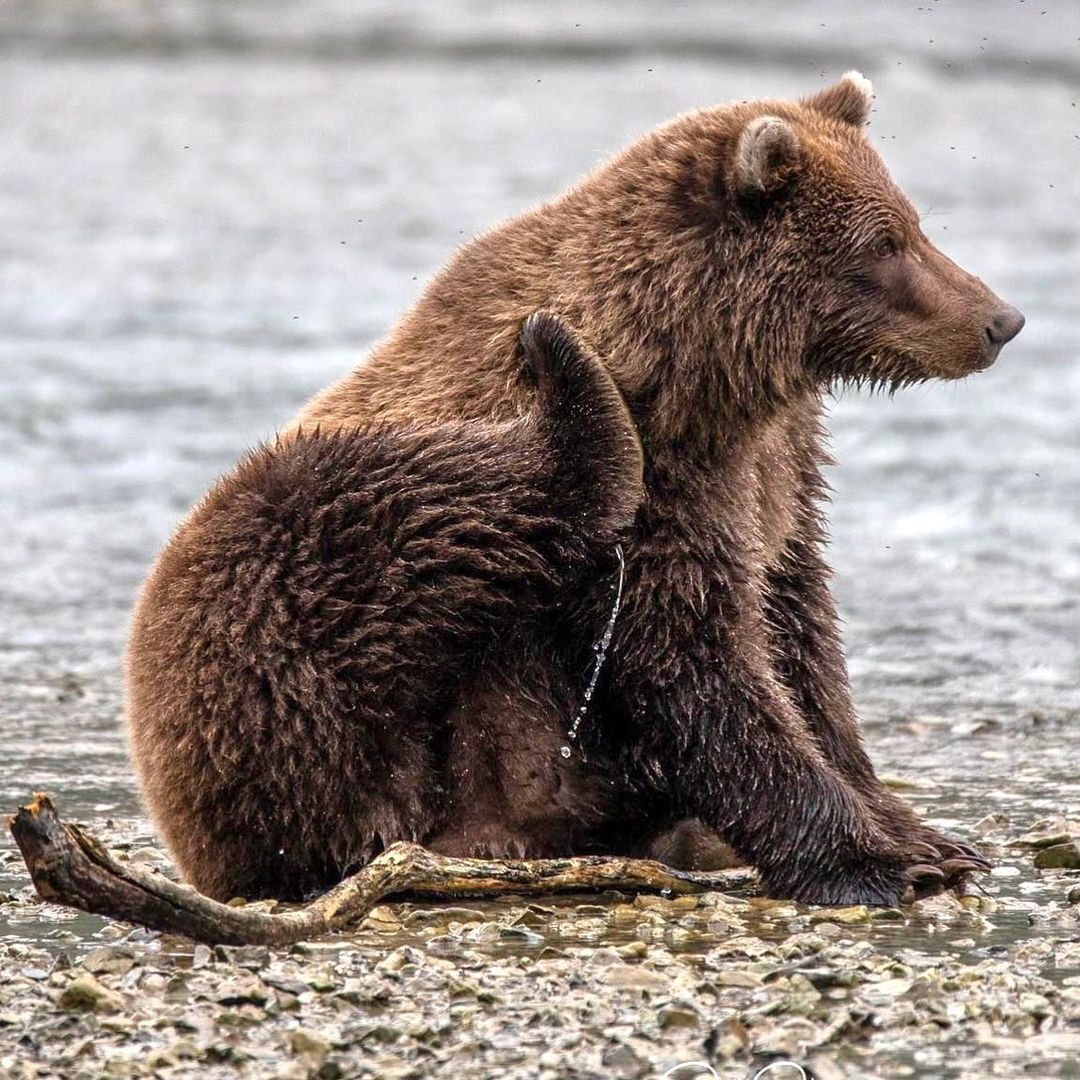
715 442
701 408
701 359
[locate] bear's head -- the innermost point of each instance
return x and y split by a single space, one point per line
887 305
750 252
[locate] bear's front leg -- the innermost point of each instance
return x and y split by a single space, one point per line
809 660
706 720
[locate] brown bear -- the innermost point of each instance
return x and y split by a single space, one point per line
299 651
727 270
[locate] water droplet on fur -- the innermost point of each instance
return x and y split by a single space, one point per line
565 751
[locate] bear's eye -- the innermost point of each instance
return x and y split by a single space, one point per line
886 247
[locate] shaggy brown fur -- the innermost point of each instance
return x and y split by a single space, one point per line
302 652
728 269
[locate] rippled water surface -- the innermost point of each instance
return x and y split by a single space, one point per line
208 213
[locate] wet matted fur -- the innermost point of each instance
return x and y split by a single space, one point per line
305 653
727 269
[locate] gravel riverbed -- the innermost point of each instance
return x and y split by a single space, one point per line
210 210
579 988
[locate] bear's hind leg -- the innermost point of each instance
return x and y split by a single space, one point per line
512 792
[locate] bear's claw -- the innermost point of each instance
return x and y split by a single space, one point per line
952 867
923 870
927 851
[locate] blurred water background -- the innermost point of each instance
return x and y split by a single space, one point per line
208 211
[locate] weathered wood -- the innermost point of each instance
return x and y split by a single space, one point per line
68 866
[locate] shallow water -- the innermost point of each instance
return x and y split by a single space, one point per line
207 214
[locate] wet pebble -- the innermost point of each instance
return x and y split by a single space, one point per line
634 987
1059 857
86 994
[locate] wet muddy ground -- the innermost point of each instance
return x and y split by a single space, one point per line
598 986
207 212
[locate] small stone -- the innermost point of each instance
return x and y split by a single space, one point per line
773 909
1035 1005
310 1046
1006 872
86 994
801 986
116 1022
1059 857
887 914
678 905
149 856
990 823
520 934
745 980
176 990
171 1057
729 1039
674 1016
623 1062
444 916
248 992
1074 895
801 945
111 960
400 958
250 957
286 985
185 1051
881 993
630 977
382 918
161 1058
845 916
1039 840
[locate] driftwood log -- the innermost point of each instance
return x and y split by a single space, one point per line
70 867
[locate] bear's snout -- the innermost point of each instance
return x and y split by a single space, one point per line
1003 327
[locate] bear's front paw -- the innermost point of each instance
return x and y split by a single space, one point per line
901 876
919 843
876 884
936 863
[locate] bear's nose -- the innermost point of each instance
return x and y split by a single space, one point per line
1004 326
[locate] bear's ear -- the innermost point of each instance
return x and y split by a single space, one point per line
848 100
766 156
